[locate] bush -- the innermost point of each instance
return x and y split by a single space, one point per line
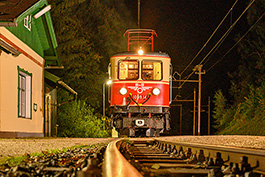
77 119
244 118
222 114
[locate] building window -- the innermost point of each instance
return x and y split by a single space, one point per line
24 93
27 22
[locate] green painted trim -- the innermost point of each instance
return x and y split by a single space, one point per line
32 10
31 75
51 77
52 39
24 71
47 48
51 29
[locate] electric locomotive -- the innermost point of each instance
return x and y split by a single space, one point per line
140 92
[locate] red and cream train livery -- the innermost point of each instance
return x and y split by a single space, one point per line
140 93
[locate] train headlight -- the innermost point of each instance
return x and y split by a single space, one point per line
140 51
109 82
156 91
123 91
139 122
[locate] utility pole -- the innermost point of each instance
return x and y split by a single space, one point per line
209 115
103 97
139 12
180 124
199 69
194 113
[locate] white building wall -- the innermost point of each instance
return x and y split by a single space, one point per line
31 62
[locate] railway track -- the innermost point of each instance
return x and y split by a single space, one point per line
161 158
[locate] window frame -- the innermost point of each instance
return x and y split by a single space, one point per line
27 22
23 74
142 63
138 69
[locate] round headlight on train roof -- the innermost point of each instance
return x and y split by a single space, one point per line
156 91
140 51
123 91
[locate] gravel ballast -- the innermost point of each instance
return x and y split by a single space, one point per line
242 141
17 147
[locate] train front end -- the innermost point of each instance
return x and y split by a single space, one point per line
140 93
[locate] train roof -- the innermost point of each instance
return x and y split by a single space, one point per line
156 54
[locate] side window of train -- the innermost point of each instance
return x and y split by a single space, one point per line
128 69
152 70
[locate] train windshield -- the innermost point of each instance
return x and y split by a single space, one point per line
128 70
152 70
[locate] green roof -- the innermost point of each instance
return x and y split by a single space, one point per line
51 77
58 81
40 37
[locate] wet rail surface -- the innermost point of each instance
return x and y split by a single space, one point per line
161 158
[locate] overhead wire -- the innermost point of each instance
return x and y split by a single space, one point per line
217 45
187 77
237 41
189 96
209 37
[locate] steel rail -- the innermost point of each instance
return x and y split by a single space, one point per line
115 163
256 157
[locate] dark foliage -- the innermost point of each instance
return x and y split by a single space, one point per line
247 109
88 32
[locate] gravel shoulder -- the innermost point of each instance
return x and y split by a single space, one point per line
17 147
242 141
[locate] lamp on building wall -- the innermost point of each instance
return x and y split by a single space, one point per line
43 11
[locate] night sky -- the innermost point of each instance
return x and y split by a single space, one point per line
183 26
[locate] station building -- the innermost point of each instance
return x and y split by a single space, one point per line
28 91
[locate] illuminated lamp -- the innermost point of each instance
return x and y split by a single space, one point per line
123 91
140 51
109 82
156 91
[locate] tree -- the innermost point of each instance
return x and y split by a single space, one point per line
88 33
105 26
247 108
252 50
221 111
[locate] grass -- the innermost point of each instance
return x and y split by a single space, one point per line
16 160
12 161
127 141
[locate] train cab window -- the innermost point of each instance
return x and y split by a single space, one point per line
152 70
128 70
